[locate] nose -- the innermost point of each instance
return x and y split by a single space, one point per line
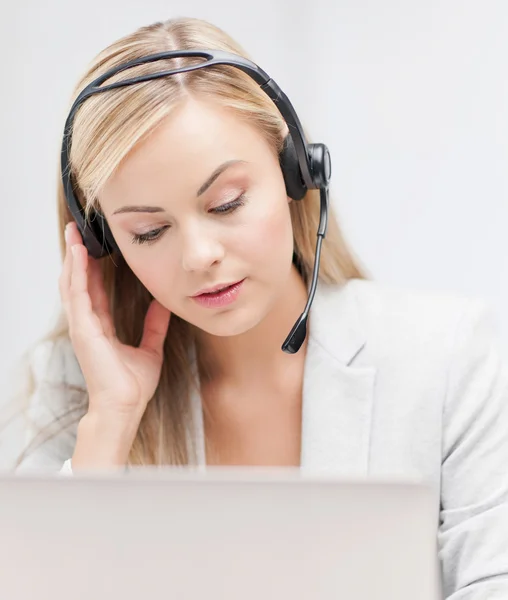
200 249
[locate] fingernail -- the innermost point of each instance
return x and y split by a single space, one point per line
66 232
74 249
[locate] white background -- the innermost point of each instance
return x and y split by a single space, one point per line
410 96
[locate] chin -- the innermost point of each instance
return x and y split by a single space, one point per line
232 322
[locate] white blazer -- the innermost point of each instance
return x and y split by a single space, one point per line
399 383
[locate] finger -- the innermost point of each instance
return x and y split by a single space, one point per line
72 236
99 298
65 275
73 233
83 320
155 328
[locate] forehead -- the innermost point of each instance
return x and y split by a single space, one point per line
182 151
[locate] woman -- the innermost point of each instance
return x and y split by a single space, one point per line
169 350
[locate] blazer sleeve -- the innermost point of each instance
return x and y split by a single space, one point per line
57 402
473 532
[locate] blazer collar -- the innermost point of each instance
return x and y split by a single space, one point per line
337 396
334 321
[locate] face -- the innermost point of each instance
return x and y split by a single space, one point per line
201 204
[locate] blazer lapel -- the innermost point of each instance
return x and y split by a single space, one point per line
337 396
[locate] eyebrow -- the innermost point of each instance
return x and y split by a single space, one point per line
156 209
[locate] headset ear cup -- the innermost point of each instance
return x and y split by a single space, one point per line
295 188
97 236
110 240
108 236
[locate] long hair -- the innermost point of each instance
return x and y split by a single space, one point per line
107 126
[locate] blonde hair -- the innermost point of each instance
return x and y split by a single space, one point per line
106 128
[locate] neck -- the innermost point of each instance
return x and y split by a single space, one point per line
240 359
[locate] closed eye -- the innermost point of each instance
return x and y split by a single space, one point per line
230 206
149 237
152 236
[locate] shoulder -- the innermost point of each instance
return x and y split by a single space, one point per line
388 325
443 344
408 307
424 319
55 400
57 383
54 361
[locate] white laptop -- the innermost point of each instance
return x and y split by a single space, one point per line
220 534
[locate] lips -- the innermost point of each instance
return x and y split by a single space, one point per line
215 289
219 296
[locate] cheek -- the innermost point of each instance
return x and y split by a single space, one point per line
154 270
267 236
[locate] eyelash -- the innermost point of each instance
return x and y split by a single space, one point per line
224 209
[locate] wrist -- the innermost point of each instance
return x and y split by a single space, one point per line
104 441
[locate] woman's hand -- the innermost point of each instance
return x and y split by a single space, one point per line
120 379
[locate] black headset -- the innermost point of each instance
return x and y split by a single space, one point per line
304 166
